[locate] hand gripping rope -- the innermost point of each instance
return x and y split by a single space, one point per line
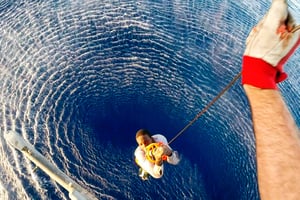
153 146
296 28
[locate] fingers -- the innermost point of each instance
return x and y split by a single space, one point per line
288 26
158 152
290 44
162 150
159 161
277 15
290 22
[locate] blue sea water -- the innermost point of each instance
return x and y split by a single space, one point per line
79 78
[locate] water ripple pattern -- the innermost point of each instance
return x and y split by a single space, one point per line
78 78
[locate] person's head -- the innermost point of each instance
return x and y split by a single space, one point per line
143 138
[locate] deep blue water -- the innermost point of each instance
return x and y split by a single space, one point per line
79 78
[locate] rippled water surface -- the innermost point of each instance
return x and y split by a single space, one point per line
79 78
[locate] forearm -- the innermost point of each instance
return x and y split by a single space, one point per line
277 145
155 170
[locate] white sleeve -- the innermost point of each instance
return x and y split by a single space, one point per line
154 170
174 158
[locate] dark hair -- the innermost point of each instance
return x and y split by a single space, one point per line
142 132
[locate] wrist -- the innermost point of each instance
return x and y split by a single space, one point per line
258 73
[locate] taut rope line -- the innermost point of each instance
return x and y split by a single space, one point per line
296 28
207 107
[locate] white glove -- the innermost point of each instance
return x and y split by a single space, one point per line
268 47
273 39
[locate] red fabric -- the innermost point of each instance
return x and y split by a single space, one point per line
258 73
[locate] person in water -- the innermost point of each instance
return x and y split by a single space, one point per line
268 47
161 153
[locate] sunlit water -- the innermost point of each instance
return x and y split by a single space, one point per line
79 78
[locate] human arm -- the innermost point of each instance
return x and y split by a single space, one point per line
165 151
277 145
154 169
269 45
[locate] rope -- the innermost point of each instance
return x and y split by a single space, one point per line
296 28
206 107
